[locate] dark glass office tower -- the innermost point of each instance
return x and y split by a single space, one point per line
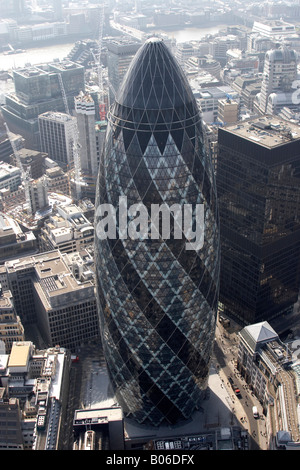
258 181
157 298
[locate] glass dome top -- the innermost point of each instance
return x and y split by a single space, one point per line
156 80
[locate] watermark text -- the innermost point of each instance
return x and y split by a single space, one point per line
137 223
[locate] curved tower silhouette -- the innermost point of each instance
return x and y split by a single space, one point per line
157 299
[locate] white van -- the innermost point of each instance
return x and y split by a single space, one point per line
255 412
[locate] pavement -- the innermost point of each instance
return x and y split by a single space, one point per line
243 414
227 345
221 408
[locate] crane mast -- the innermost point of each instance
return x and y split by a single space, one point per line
25 175
75 141
63 94
102 110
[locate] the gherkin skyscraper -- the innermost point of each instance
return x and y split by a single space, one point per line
157 298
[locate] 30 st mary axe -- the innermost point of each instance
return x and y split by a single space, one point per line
157 300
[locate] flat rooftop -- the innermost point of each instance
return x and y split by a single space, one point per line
86 97
268 131
97 415
56 116
51 267
42 69
6 300
64 65
7 170
19 354
274 24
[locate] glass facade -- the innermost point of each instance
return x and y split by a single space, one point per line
157 300
37 90
120 52
258 194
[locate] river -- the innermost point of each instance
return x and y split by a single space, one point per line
46 54
192 33
36 55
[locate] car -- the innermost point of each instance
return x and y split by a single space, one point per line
255 412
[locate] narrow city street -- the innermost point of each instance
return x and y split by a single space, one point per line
225 352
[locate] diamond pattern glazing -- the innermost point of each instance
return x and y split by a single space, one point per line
157 300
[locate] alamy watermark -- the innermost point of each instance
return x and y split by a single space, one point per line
296 93
137 223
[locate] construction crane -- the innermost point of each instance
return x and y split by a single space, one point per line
76 161
102 108
63 93
76 155
24 175
112 88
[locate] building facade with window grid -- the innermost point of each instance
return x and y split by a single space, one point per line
47 294
259 201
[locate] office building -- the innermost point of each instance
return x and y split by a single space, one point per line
10 176
211 142
101 127
13 241
47 294
67 313
266 364
247 89
242 61
11 437
82 52
34 33
120 52
85 114
258 43
38 90
11 328
228 111
57 181
6 148
157 299
22 291
183 52
12 9
38 195
258 193
91 136
67 230
289 115
33 397
106 422
206 64
274 28
9 200
280 71
57 9
208 100
219 46
57 137
32 162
